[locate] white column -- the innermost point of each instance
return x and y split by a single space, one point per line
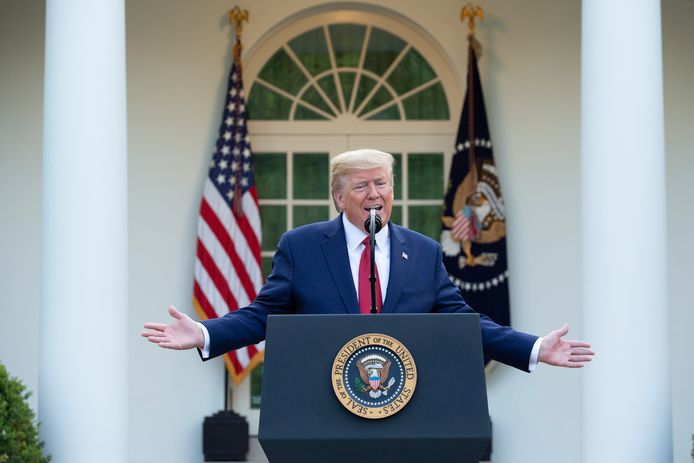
625 393
83 350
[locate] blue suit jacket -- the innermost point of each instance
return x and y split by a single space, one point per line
311 274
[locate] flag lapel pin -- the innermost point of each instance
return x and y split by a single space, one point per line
404 255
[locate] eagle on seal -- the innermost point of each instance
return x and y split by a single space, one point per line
373 376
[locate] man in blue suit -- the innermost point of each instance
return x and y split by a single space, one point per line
316 270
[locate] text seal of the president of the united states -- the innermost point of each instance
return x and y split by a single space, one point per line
374 376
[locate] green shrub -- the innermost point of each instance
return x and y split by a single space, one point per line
19 437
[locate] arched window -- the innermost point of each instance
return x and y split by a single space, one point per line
345 79
347 68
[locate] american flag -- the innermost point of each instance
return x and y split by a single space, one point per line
465 225
227 265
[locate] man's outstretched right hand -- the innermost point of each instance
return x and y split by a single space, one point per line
183 333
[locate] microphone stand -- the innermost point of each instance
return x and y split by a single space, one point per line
373 218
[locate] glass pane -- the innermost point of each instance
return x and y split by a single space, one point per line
397 175
411 72
426 220
312 96
312 51
347 40
282 72
256 385
425 176
264 104
383 48
271 175
390 113
430 103
396 215
274 222
327 84
365 85
311 172
303 113
309 214
266 262
347 82
381 97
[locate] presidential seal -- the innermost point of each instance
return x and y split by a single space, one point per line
374 376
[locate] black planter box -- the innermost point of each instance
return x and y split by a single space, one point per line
225 437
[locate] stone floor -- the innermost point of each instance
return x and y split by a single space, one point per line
255 451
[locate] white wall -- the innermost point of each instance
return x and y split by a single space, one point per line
533 80
21 126
178 57
176 66
678 55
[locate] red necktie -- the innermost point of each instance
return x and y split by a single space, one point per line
364 284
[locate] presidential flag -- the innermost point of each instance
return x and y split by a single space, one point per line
473 235
227 265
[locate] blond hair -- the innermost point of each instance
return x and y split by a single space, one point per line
363 159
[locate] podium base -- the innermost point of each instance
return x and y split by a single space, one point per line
225 437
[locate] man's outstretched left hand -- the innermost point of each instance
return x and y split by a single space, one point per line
563 353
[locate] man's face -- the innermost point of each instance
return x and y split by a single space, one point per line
362 190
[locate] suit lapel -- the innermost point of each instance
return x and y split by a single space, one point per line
335 252
399 268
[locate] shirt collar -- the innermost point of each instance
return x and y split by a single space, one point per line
355 235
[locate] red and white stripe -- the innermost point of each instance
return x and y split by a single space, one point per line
464 228
228 272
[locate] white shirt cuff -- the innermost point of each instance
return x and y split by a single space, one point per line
534 354
205 351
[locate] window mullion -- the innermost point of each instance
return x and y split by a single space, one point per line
381 80
333 65
311 80
384 105
405 193
360 67
290 190
310 106
276 89
418 89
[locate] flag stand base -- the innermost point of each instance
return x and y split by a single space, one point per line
225 437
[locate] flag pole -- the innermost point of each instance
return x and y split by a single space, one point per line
471 13
236 17
225 434
229 190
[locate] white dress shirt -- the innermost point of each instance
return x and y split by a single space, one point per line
354 237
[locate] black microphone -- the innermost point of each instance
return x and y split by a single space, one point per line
373 224
378 224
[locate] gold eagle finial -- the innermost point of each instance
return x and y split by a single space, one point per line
471 12
238 16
